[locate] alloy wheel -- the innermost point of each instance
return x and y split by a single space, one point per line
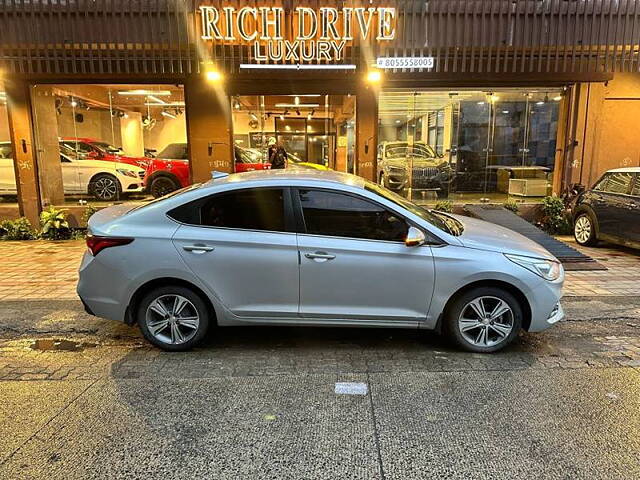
105 188
172 319
582 229
162 187
486 321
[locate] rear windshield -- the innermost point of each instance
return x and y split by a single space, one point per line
146 203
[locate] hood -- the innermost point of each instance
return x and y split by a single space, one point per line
417 161
489 236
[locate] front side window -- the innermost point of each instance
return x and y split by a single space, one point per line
618 182
339 215
635 191
251 209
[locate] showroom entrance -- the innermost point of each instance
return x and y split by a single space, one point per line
316 131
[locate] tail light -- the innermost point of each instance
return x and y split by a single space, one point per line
97 244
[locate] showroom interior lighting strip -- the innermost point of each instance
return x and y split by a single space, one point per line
296 66
297 105
144 93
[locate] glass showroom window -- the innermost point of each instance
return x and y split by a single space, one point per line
107 143
468 146
8 189
315 131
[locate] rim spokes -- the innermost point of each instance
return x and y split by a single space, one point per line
172 319
157 307
500 309
486 321
478 306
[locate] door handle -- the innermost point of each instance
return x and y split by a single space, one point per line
197 248
320 256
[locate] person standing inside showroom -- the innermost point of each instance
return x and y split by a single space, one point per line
277 155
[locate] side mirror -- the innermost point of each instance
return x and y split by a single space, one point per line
415 237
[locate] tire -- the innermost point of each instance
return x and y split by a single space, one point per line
106 187
461 314
584 230
175 335
161 186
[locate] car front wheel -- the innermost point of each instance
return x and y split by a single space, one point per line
173 318
584 230
484 319
105 187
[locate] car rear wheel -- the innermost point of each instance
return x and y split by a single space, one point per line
173 318
584 230
161 186
105 187
483 320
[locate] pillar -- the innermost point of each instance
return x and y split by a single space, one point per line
366 132
209 128
132 134
24 158
45 122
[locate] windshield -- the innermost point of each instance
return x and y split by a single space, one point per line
245 155
6 150
107 148
403 150
174 151
437 219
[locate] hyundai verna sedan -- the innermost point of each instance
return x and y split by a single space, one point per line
312 248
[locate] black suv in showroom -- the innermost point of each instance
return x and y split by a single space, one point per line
610 211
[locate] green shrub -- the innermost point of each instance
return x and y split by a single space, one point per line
512 205
90 210
444 206
555 219
19 229
54 224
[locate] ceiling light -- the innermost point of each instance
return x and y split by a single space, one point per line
213 75
287 127
126 115
397 121
557 98
374 76
299 105
73 103
480 103
165 104
156 99
281 117
253 115
157 93
541 102
297 100
167 114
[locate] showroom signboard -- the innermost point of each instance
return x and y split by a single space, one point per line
308 35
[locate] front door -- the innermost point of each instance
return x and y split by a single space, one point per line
70 171
611 197
240 246
354 264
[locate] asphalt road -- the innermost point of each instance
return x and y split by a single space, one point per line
260 403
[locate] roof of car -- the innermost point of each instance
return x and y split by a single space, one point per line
626 169
292 175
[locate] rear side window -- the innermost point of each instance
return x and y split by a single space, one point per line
250 209
616 182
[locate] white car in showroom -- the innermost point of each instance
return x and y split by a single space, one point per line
103 180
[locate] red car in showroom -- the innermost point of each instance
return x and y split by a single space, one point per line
162 175
246 159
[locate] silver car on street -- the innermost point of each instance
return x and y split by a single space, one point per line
312 248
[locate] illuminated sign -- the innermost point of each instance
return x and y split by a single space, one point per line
318 35
405 62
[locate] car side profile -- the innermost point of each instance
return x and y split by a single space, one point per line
102 180
610 211
312 248
161 175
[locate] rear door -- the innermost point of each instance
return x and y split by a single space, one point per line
242 244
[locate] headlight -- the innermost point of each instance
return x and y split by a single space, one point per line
547 269
128 173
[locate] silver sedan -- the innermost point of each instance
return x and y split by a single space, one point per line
312 248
